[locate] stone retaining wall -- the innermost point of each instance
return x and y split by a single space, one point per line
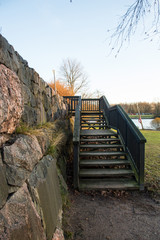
40 104
30 192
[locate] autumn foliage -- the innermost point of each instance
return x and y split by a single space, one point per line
156 123
62 89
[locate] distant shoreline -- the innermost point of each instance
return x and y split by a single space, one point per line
142 116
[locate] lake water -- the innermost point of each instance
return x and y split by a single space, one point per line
146 123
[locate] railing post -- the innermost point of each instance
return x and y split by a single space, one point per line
117 119
126 135
141 168
76 165
99 105
76 141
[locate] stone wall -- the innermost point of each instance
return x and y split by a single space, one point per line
40 104
30 185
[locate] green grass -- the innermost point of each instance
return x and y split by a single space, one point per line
142 116
152 160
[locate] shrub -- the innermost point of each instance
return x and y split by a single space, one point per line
62 89
156 123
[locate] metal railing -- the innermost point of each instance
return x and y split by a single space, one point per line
132 138
87 104
90 105
72 102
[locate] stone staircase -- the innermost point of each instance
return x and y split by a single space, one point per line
103 161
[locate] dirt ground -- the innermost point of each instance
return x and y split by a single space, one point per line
112 216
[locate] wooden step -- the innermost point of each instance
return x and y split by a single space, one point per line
91 120
102 154
103 162
109 172
101 146
101 140
104 184
104 132
93 125
92 115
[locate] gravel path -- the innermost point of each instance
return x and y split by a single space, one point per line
112 216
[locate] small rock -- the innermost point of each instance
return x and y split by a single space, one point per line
58 235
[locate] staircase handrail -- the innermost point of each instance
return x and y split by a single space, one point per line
76 143
131 124
132 138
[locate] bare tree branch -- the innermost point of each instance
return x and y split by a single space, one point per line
71 71
132 18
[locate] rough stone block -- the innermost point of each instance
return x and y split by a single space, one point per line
8 57
3 184
26 94
42 84
46 101
45 191
43 114
4 138
35 89
11 101
23 76
48 91
29 115
36 77
20 158
44 139
19 218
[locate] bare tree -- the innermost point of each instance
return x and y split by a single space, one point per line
157 109
130 20
72 73
95 94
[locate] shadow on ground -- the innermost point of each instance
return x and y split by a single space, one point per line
110 215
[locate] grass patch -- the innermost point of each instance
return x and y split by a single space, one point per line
23 128
52 150
152 160
142 116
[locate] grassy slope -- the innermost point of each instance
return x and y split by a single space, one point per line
152 160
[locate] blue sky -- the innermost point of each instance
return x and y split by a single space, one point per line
46 32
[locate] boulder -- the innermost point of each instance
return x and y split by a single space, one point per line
19 218
44 187
20 158
11 101
3 184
